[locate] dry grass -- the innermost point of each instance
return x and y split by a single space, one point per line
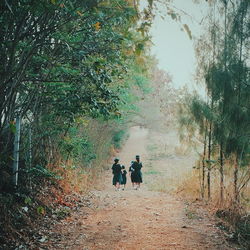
79 177
182 150
162 184
73 178
189 187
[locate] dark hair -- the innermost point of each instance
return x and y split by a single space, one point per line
123 167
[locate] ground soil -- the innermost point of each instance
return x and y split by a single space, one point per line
145 218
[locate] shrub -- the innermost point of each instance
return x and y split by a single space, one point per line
118 138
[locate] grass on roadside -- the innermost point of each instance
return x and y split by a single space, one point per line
152 172
163 184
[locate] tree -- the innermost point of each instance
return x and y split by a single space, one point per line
224 67
62 60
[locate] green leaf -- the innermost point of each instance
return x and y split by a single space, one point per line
13 127
40 210
28 200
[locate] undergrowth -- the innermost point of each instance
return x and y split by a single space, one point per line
235 216
49 192
118 138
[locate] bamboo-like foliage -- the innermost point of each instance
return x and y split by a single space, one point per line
224 120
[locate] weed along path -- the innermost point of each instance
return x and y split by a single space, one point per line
145 218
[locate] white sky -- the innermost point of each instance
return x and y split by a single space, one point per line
173 47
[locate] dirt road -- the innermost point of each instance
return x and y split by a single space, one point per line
145 218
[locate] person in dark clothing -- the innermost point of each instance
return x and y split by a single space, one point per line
117 174
137 175
124 177
132 174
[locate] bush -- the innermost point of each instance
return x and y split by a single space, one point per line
243 231
118 138
78 147
40 171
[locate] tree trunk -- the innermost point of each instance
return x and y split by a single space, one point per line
209 160
208 184
236 193
30 153
236 166
16 152
203 179
221 175
204 165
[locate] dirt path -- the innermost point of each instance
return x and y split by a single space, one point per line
143 219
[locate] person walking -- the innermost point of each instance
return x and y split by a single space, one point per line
132 174
117 174
137 174
124 177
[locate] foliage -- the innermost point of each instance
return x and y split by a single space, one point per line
42 172
77 146
62 61
118 138
223 118
72 70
